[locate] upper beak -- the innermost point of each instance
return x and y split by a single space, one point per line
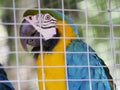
26 32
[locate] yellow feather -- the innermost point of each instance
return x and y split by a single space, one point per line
55 76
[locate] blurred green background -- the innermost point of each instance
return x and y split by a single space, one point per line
98 22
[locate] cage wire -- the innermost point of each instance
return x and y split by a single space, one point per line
98 22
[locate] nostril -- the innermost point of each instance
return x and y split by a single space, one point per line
30 17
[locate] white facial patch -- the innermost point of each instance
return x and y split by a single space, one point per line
43 23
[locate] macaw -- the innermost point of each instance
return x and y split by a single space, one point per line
5 84
64 61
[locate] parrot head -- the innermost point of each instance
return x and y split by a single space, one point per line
43 24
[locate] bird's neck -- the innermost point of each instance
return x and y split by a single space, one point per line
66 33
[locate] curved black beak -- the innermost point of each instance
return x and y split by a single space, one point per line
28 34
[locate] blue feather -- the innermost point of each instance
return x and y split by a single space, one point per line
69 20
80 75
3 77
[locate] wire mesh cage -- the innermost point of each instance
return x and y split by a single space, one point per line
98 24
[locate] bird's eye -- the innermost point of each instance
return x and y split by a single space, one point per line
48 17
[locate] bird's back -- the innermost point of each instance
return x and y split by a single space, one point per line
86 69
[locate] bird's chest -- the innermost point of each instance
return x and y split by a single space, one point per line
54 66
52 71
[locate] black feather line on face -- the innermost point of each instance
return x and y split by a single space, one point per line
48 27
48 45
